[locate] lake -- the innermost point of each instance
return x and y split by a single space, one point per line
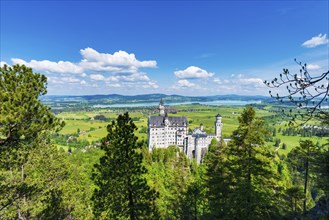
214 103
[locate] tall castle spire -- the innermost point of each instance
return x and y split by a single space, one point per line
161 108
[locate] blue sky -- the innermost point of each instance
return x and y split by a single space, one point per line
172 47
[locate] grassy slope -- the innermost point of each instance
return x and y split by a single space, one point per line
196 114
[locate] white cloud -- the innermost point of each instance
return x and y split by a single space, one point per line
70 80
49 66
112 79
121 69
313 67
193 72
64 80
185 83
218 81
2 63
120 61
135 77
115 85
97 77
247 81
151 84
316 41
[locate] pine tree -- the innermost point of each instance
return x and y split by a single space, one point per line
253 188
178 177
25 124
302 160
217 181
122 191
23 118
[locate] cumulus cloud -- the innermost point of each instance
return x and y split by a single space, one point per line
49 66
246 81
151 84
193 72
134 77
119 62
65 80
316 41
185 83
120 69
218 81
115 85
313 67
97 77
117 59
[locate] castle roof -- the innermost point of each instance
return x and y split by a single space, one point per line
174 121
199 135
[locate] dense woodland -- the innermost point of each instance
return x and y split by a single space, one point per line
121 179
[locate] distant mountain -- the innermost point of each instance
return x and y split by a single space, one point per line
117 99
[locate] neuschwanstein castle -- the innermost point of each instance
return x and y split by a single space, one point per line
164 131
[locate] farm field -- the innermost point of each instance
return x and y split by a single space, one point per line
86 125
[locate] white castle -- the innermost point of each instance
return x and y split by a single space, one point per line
164 131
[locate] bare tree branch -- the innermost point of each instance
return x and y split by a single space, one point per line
307 92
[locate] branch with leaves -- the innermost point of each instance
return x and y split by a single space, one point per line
307 92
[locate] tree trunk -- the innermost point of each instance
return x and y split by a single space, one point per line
305 184
131 201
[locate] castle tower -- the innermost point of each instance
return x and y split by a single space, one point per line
218 126
161 108
166 119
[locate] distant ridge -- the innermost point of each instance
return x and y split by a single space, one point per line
117 98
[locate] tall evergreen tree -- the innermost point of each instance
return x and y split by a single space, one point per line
253 188
24 126
122 191
246 173
217 181
302 161
178 177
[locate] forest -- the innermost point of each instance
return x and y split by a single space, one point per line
45 176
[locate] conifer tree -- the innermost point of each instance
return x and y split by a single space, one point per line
241 177
302 160
122 191
253 179
24 126
217 181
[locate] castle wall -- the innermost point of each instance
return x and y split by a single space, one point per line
164 137
164 131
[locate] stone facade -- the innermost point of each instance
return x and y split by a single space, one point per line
164 131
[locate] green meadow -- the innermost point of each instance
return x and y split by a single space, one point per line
93 130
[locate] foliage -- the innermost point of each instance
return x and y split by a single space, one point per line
170 173
309 94
100 117
122 191
241 178
217 181
24 127
23 118
302 162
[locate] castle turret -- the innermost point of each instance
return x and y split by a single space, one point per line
161 108
218 126
166 119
